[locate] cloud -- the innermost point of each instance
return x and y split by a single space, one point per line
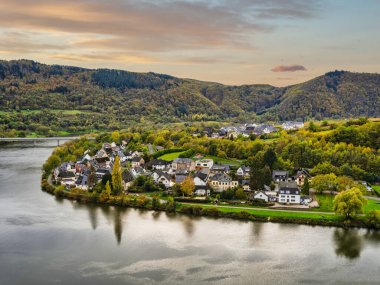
288 68
153 25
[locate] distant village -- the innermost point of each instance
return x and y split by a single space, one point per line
208 176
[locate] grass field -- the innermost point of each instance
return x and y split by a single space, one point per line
376 188
219 160
327 203
272 213
170 156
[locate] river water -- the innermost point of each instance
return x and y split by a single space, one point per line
48 241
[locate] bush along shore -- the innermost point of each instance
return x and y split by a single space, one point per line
170 206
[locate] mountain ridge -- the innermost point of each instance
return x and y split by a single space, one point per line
123 96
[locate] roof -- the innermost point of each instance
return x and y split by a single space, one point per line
221 177
182 160
180 178
280 173
224 167
66 174
127 176
290 187
136 159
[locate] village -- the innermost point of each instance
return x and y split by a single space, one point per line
209 178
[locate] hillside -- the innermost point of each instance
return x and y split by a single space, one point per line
39 97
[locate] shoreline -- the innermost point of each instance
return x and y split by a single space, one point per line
207 210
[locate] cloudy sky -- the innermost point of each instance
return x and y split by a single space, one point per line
279 42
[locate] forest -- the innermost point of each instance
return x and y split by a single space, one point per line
39 99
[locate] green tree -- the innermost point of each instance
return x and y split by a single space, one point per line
52 162
349 202
325 182
170 204
312 127
240 194
270 158
305 187
117 185
106 194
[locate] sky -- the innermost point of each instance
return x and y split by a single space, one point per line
278 42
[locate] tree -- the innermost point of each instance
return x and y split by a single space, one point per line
188 186
106 194
170 204
270 158
325 182
349 202
240 194
115 136
312 127
305 187
117 185
52 162
156 203
91 178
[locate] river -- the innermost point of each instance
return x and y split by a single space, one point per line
44 240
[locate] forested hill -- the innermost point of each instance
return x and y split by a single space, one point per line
109 98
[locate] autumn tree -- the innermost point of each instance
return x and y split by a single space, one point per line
117 185
188 186
349 202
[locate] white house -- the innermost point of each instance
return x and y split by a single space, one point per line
243 171
166 180
289 193
261 196
204 163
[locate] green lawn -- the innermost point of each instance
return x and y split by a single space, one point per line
273 213
219 160
376 188
170 156
327 203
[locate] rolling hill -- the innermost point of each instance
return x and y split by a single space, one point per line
35 96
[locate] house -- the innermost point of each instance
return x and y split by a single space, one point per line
183 164
300 177
287 126
289 193
179 178
164 178
127 179
157 164
204 163
220 168
100 172
137 171
243 171
131 154
202 191
137 161
221 182
261 196
264 129
280 175
246 186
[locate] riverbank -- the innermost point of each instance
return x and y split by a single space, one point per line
255 215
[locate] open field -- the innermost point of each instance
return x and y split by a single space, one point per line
327 203
271 213
170 156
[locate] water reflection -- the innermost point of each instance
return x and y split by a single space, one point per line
348 243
